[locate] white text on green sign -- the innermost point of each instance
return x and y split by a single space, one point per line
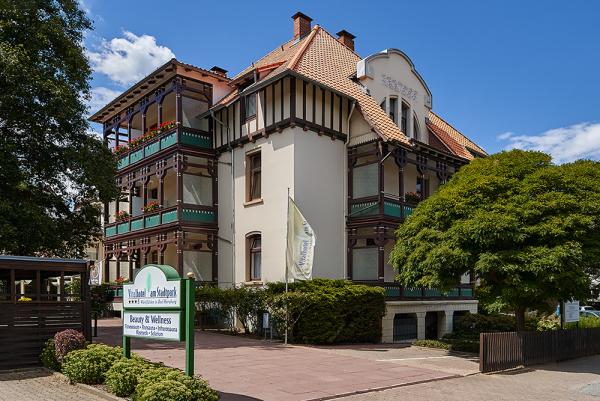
151 289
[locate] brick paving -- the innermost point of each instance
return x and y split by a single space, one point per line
40 385
248 369
578 379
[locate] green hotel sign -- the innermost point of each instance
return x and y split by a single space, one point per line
159 305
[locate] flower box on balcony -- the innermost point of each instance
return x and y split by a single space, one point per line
412 197
151 207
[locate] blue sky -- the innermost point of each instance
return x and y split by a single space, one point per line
505 73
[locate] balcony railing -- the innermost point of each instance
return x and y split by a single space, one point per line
189 213
393 207
183 135
397 292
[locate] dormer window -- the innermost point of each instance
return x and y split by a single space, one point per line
404 119
250 106
394 109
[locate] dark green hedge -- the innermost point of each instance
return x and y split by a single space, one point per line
339 312
323 311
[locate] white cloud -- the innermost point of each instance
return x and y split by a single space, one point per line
128 59
100 97
565 144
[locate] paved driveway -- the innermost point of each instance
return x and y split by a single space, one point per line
247 369
578 379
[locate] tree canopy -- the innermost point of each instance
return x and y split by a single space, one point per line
53 171
528 231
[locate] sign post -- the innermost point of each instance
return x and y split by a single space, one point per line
159 305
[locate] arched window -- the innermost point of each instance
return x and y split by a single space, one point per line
404 119
253 257
416 128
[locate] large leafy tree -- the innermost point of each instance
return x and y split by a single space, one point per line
527 229
53 171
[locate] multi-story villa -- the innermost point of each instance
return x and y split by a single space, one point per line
206 160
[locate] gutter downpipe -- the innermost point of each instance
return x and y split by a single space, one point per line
345 190
212 114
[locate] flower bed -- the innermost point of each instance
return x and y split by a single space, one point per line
133 377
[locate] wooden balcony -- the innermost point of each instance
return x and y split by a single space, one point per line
397 292
371 207
189 214
183 136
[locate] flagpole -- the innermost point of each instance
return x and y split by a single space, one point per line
287 241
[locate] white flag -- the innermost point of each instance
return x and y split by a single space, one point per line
301 241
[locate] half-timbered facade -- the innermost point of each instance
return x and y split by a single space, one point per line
209 162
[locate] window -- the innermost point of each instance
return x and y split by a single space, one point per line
404 119
365 181
365 264
423 187
250 105
253 178
416 129
253 246
393 109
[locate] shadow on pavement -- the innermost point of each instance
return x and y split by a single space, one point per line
23 374
590 364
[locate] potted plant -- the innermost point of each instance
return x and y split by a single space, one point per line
412 197
150 207
121 215
120 280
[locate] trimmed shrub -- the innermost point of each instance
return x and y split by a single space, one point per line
432 344
165 390
90 365
471 325
122 377
337 311
451 344
320 311
585 323
48 356
198 388
66 341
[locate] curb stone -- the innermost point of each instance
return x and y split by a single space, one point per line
90 389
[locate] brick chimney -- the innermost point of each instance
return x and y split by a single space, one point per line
219 71
301 25
346 38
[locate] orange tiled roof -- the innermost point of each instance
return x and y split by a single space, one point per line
280 54
324 59
457 142
227 98
321 57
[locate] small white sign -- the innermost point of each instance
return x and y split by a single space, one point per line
96 273
156 325
571 312
151 289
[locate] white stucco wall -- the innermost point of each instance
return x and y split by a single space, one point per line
319 174
391 75
291 159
